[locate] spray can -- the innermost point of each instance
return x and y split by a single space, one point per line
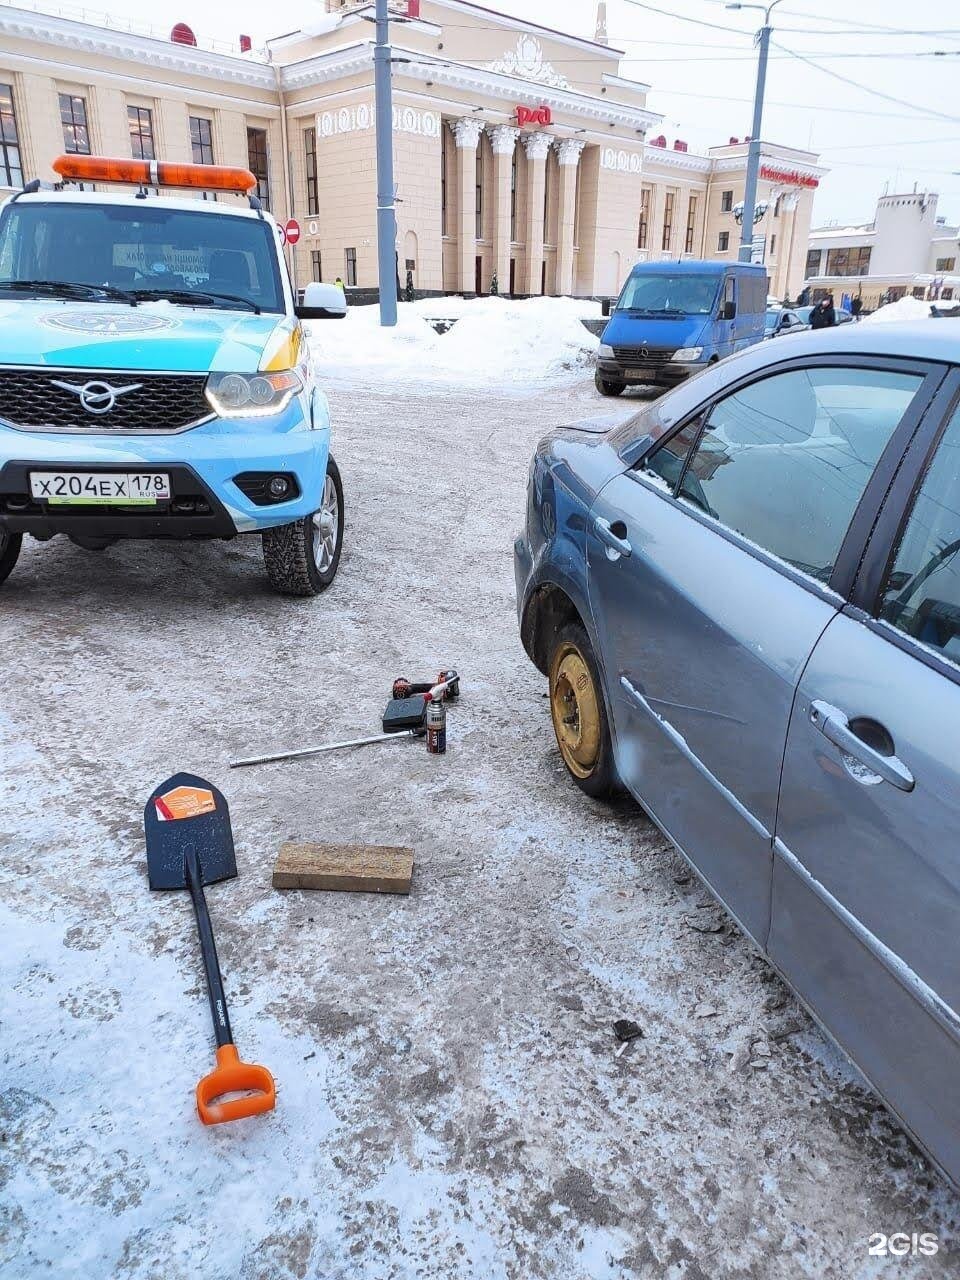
436 728
451 675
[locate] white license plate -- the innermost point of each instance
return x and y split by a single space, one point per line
637 375
99 488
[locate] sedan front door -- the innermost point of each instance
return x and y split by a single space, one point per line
712 572
866 899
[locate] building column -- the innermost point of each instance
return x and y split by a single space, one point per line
568 153
789 210
467 133
537 145
503 139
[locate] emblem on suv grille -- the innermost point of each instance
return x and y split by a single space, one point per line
96 397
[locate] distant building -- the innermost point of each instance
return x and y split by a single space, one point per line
906 249
520 151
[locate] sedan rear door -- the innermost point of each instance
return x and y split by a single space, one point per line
866 882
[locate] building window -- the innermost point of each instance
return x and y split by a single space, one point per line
513 199
140 123
11 170
73 117
668 200
946 264
723 241
576 208
444 161
773 245
813 263
776 206
726 201
947 294
310 155
316 267
350 260
479 193
691 224
201 140
644 227
848 262
919 291
257 163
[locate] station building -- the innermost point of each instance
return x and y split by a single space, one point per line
907 248
522 156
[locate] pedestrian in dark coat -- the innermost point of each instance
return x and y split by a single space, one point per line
856 306
823 316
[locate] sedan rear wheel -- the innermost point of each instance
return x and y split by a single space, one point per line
578 712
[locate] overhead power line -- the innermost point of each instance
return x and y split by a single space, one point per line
865 88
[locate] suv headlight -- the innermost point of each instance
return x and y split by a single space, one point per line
252 395
605 351
687 353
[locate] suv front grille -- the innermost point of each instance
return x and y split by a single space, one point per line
643 357
31 400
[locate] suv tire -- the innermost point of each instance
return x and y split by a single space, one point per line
10 544
302 558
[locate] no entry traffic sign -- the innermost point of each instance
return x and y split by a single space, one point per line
290 231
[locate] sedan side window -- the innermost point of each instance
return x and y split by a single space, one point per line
667 462
921 596
785 460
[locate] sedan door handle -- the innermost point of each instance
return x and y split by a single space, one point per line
835 726
613 540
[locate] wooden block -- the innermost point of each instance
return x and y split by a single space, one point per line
355 868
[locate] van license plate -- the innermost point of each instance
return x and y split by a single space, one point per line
100 488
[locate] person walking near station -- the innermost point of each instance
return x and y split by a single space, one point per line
823 316
856 306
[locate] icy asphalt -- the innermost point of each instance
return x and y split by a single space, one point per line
451 1104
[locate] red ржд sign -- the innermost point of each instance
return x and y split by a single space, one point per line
534 115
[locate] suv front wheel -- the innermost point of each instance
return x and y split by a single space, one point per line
302 558
10 544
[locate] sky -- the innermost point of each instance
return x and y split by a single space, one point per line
700 60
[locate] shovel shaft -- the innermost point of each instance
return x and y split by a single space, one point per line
208 949
315 751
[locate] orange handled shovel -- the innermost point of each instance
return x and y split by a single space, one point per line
190 844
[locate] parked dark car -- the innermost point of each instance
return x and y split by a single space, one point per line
780 320
842 317
746 600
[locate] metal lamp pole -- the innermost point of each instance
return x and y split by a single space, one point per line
386 213
753 154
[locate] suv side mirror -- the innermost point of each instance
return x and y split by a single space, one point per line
729 311
322 302
605 307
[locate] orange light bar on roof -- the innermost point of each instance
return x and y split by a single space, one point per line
155 173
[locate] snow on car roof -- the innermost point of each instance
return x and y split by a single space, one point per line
192 204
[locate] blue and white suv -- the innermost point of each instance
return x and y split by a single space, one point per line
155 380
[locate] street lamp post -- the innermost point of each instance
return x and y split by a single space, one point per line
753 154
386 211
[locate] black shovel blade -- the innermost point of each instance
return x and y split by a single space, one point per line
182 813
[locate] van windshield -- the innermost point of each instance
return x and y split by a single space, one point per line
670 295
191 258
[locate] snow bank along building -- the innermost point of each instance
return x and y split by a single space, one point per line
906 249
520 152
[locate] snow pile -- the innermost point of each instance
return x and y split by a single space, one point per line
535 341
903 309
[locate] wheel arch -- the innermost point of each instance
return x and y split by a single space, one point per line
548 609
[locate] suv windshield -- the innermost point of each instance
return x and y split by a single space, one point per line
666 294
143 249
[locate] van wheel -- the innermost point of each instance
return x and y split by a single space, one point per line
609 388
10 544
579 713
302 558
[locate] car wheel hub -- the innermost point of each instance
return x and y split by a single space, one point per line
576 713
326 526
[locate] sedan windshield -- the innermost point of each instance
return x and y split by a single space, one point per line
190 258
670 294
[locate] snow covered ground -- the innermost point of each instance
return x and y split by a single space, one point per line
903 309
451 1105
534 342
